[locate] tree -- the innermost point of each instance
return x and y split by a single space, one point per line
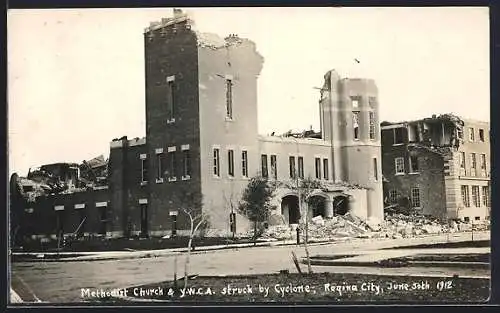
255 203
197 219
305 188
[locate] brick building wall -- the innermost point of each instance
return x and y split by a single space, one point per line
171 65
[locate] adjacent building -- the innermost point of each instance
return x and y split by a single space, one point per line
202 144
438 166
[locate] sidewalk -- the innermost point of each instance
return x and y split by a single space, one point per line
381 243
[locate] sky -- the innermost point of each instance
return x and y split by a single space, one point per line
76 77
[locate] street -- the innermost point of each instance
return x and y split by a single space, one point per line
62 281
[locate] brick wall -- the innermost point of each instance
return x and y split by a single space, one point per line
171 51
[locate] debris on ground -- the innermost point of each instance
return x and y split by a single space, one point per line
393 226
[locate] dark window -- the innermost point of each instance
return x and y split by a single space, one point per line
475 196
159 161
230 162
274 167
375 169
477 218
186 166
398 135
244 164
466 219
317 163
301 167
171 100
481 135
413 164
325 169
264 165
292 166
172 157
144 170
462 159
229 99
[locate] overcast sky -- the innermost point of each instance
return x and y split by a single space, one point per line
76 77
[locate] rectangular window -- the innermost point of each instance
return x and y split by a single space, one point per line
372 125
144 170
291 161
274 167
393 196
483 161
317 165
413 164
186 164
481 135
400 165
462 160
415 197
216 164
475 196
264 165
229 98
375 169
159 161
477 218
172 165
473 164
355 102
230 163
471 134
486 196
326 173
301 167
398 135
355 124
372 102
244 163
465 196
171 100
466 219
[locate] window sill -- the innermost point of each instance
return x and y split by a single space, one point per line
172 179
230 177
171 121
414 173
398 144
216 176
399 174
188 177
144 183
229 119
159 180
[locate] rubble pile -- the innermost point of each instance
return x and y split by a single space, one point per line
350 226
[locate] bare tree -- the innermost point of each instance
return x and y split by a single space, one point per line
197 219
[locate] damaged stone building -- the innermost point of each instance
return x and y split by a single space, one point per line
438 166
202 146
